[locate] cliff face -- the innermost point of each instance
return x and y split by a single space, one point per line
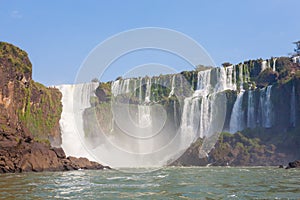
26 105
29 119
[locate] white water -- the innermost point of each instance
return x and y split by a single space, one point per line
148 91
274 64
264 65
237 115
203 82
241 77
251 122
172 86
265 106
189 121
75 98
296 59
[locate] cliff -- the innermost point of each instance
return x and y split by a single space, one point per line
29 119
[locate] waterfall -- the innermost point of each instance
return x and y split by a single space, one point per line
205 116
175 113
148 91
293 107
296 59
237 115
241 77
231 81
172 86
75 98
203 81
263 65
221 85
144 118
250 111
135 123
140 90
274 64
126 85
134 87
202 92
265 106
189 121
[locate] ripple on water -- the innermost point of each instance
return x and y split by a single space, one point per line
167 183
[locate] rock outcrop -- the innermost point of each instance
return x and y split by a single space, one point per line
294 164
29 120
28 155
234 150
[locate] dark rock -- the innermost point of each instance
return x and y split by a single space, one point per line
107 167
103 92
59 152
83 163
295 164
280 166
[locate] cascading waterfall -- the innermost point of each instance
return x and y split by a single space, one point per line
189 121
274 64
144 111
194 115
265 106
241 77
148 91
203 83
251 122
264 65
75 99
293 107
231 81
205 115
172 86
237 115
195 118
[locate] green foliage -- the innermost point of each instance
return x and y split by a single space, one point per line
17 57
44 141
41 111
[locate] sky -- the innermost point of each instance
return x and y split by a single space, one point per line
58 35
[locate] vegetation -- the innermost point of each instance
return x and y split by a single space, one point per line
41 111
37 108
16 57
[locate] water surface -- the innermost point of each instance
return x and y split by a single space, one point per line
166 183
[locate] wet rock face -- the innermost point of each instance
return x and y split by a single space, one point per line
29 120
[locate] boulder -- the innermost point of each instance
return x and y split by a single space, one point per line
82 163
59 152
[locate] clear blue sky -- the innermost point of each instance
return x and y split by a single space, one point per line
59 34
